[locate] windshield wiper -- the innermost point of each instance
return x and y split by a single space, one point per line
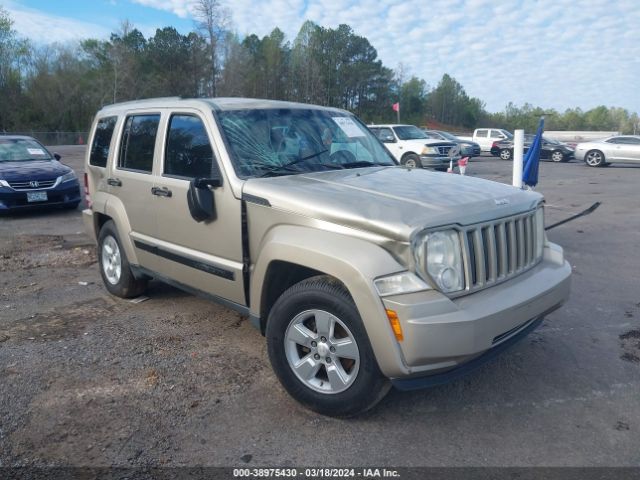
363 163
283 169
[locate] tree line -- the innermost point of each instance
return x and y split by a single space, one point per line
59 87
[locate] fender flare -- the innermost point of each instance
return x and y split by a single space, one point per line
353 261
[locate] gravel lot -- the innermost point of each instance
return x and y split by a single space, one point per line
90 379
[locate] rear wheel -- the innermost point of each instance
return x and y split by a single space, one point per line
411 160
505 154
320 351
594 158
114 266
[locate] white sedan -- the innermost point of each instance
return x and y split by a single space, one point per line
622 148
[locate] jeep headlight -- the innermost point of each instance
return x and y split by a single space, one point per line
439 256
68 176
427 150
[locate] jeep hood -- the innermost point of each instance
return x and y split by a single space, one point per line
390 201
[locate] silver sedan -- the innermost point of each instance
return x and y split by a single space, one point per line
599 153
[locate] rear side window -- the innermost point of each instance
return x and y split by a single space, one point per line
188 153
138 143
481 133
102 141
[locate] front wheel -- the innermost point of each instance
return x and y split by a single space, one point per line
505 154
411 160
320 351
594 158
557 156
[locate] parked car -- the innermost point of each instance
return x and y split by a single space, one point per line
623 149
468 148
413 148
486 136
360 273
549 150
31 177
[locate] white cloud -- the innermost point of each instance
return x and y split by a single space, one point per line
182 8
45 28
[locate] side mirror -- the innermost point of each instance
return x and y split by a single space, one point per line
200 198
213 182
388 139
57 156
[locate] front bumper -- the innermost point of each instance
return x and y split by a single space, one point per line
442 334
63 195
437 161
579 154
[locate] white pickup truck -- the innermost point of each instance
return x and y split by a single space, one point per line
486 136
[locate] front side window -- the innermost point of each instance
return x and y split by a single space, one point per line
102 141
188 153
138 143
496 134
628 140
283 141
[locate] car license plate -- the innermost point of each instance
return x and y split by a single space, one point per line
37 196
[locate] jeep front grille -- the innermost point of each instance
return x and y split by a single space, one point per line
499 250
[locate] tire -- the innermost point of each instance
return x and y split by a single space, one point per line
505 154
114 267
325 381
557 156
411 160
594 158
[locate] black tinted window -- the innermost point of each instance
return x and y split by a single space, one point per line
138 142
189 152
102 141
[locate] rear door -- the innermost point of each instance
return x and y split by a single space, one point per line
203 255
132 179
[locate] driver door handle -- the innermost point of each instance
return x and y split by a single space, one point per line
114 182
161 192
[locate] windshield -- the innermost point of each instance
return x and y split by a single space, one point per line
509 135
21 149
267 142
409 132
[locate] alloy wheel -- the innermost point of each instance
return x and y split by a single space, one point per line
321 351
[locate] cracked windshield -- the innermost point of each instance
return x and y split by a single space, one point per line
277 142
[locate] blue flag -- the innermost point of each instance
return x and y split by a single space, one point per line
532 158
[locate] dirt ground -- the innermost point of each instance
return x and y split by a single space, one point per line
90 379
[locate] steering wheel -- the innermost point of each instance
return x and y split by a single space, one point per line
342 156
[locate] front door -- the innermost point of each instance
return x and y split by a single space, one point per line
203 255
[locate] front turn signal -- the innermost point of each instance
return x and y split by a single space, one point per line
395 324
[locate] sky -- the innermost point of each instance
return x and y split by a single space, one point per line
550 53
